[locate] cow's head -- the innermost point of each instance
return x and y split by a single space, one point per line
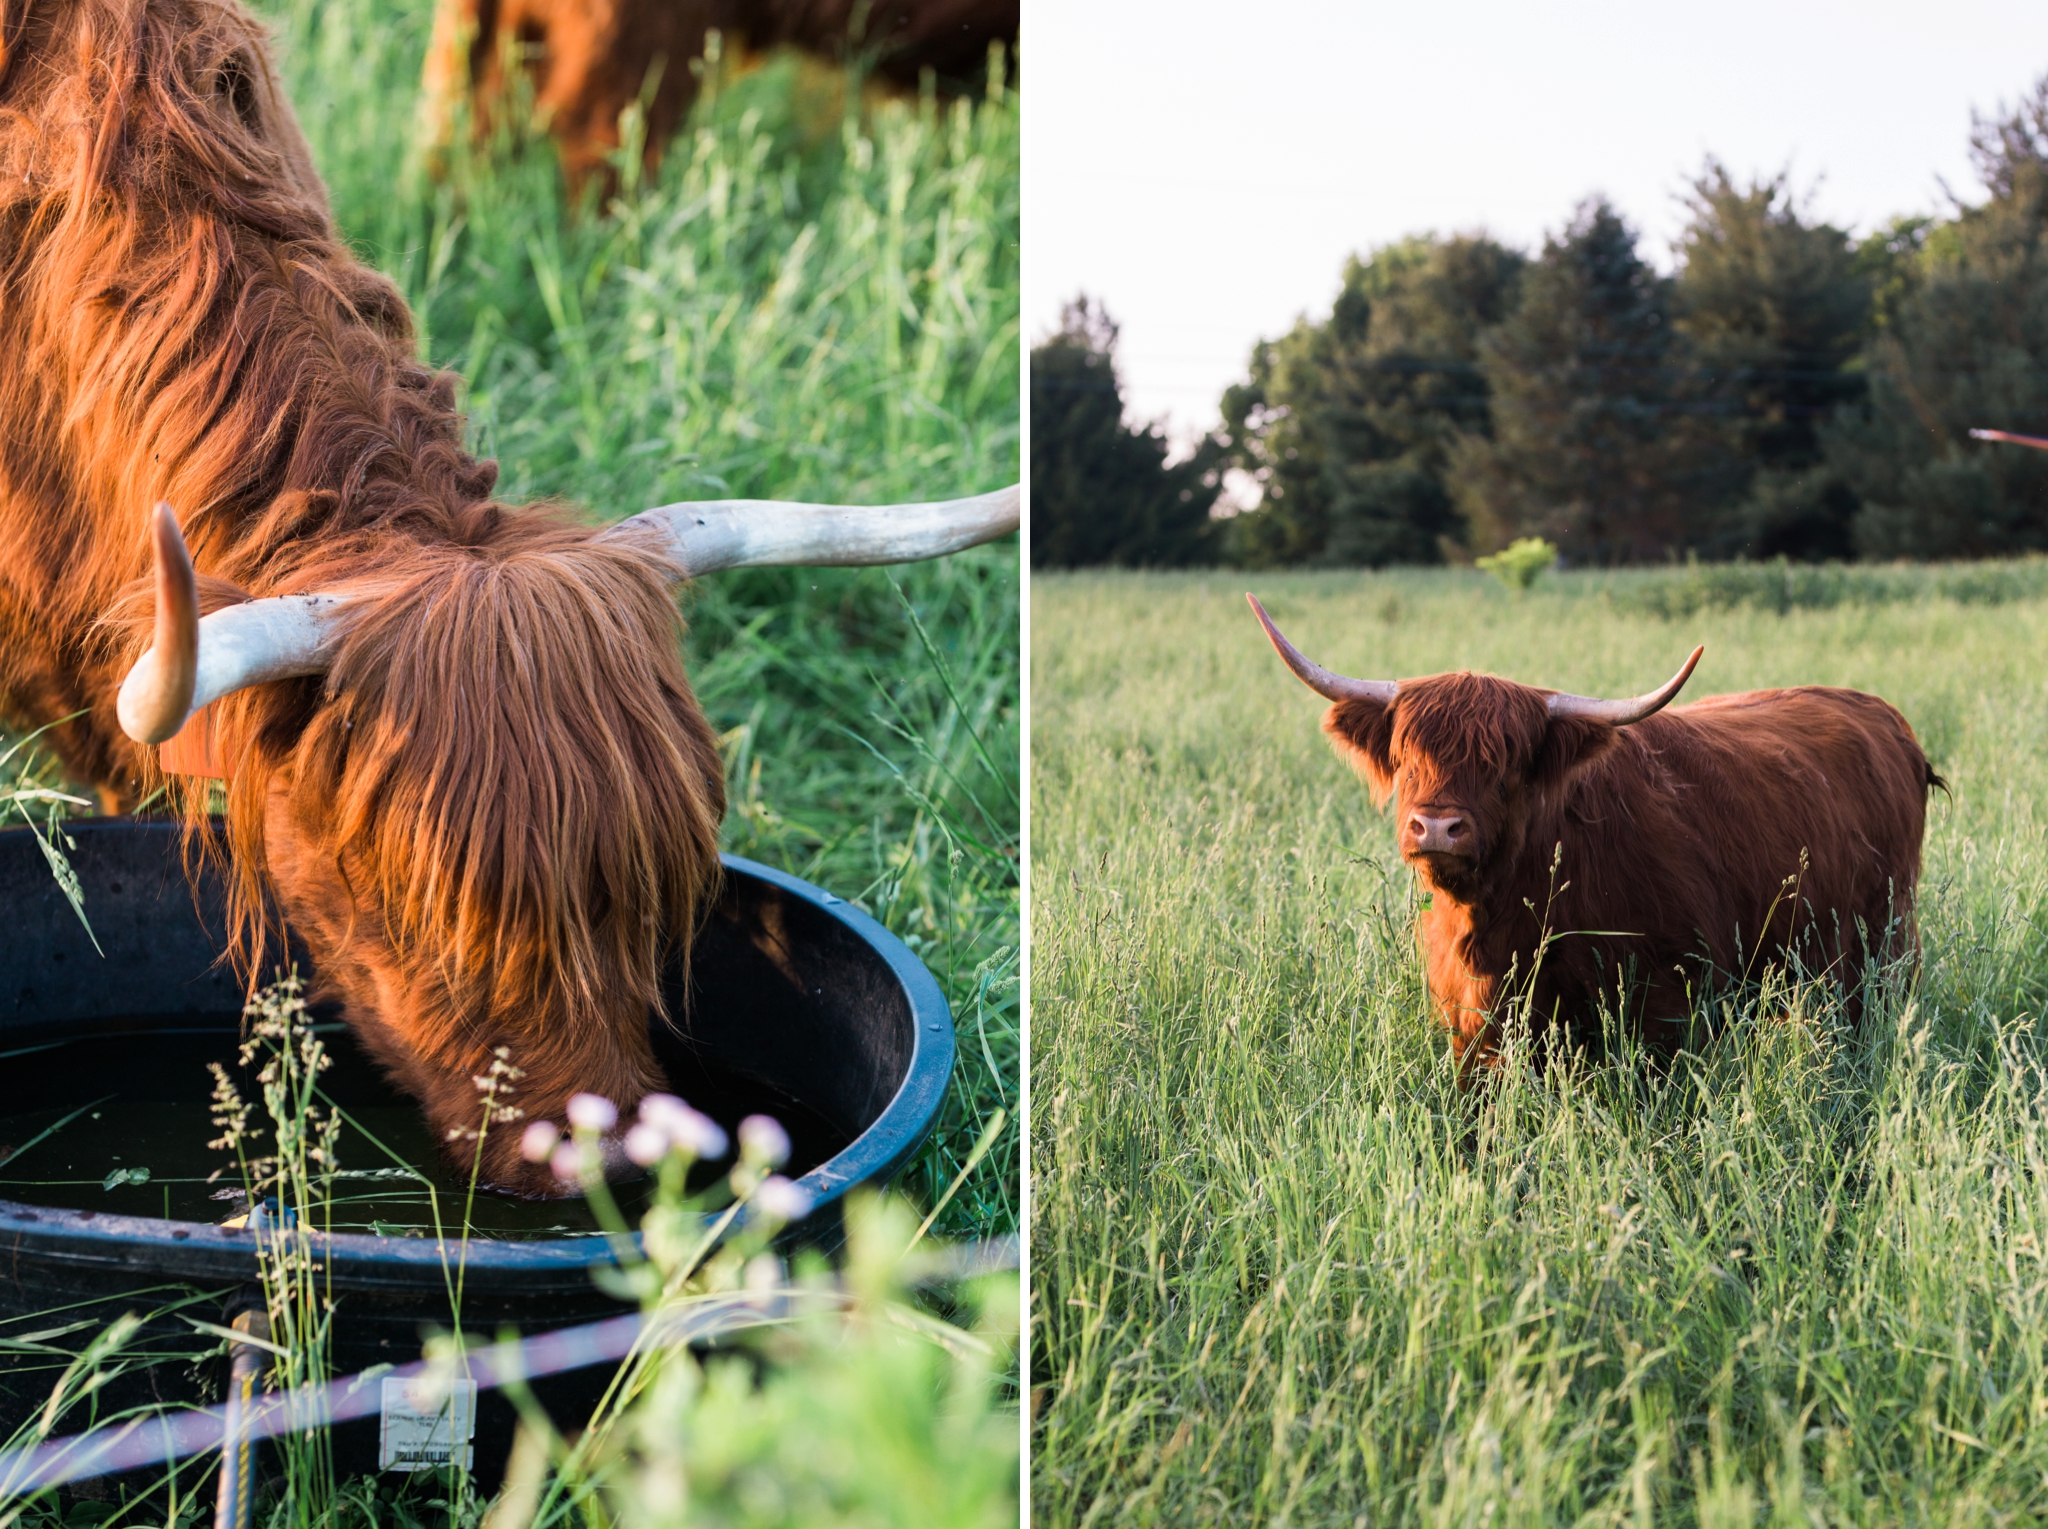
1462 754
478 782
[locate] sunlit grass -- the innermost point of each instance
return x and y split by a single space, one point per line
1286 1272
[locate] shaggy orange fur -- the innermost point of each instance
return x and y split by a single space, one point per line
497 814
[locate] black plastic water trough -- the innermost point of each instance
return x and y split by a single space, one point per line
793 994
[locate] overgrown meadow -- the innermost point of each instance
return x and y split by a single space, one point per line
815 297
1285 1271
806 302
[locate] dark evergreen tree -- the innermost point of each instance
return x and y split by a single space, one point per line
1599 440
1966 346
1776 308
2010 152
1890 260
1347 424
1101 490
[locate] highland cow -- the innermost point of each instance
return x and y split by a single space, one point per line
464 762
584 64
1587 852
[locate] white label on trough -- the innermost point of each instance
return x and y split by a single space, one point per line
420 1428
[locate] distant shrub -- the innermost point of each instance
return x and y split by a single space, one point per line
1518 564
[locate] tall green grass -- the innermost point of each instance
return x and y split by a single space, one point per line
788 308
1285 1271
791 308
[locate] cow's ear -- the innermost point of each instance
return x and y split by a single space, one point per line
1364 734
1569 745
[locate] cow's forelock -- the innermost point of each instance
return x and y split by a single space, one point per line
496 816
1466 743
1460 733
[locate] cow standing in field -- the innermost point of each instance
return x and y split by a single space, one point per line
463 758
586 63
1670 850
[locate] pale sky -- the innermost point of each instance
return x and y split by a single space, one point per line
1206 168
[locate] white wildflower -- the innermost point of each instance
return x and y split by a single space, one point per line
782 1199
763 1142
646 1144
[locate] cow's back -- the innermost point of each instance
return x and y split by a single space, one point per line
1742 825
1837 772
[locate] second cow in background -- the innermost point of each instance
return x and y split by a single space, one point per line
587 62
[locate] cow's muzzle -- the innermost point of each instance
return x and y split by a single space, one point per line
1426 834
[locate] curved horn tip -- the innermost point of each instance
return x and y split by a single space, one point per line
1663 693
1622 713
156 695
173 557
1326 683
1286 649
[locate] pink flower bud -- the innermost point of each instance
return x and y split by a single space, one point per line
698 1134
658 1109
688 1130
646 1144
567 1162
539 1141
592 1112
780 1199
763 1141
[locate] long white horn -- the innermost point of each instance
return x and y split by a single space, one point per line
192 662
713 534
1327 683
1621 713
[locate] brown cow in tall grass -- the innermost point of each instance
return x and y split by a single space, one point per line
583 64
467 764
1649 854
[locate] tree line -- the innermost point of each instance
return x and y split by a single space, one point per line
1788 391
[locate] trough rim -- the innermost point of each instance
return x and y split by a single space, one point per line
181 1251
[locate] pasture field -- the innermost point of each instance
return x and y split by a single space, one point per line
1286 1272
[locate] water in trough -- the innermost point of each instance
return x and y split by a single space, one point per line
119 1122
